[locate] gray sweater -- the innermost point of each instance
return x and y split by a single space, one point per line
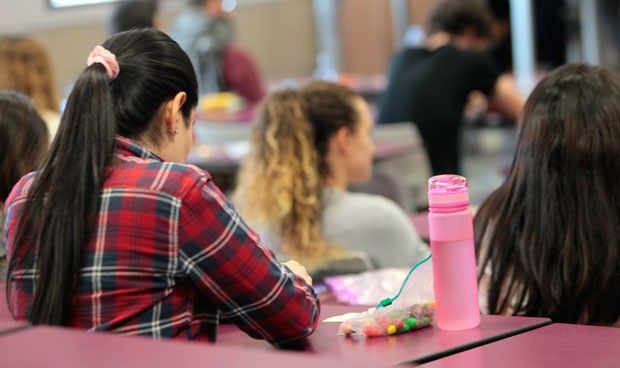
368 223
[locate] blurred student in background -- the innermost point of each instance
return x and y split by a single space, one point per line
23 143
134 14
306 148
430 85
25 67
548 239
205 31
141 236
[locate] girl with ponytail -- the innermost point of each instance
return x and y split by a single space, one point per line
115 233
307 147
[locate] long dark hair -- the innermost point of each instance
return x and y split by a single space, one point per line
550 235
63 203
23 139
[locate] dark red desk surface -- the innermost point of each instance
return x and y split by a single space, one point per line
556 345
66 348
419 346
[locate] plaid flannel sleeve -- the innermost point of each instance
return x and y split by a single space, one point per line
226 261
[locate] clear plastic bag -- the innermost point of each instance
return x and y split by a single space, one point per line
413 308
365 288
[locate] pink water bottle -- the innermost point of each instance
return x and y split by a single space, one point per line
452 246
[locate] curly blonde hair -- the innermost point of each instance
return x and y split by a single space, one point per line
25 67
281 181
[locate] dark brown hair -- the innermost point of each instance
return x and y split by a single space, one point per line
23 139
456 16
550 235
133 14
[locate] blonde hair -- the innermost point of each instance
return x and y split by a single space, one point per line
280 183
25 67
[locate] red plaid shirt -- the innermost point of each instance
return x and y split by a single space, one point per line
170 255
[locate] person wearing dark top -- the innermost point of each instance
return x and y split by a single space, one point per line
430 85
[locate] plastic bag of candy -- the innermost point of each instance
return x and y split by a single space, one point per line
389 321
412 308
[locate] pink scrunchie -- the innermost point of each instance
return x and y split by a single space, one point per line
107 59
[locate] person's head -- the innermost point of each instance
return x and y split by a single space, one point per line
23 139
211 7
468 22
134 14
25 67
551 232
152 100
304 140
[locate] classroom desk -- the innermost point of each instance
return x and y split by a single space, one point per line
415 347
68 348
10 326
556 345
221 147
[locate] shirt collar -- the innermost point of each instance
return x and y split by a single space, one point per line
128 147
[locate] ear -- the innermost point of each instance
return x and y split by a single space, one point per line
341 141
173 116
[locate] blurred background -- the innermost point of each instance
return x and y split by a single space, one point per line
350 41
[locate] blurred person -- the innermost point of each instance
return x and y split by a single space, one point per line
430 85
307 147
25 67
114 229
134 14
205 31
548 238
550 36
23 144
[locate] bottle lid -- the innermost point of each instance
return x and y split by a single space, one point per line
447 191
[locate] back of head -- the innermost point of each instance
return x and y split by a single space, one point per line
133 14
456 16
152 71
23 139
25 67
552 231
281 182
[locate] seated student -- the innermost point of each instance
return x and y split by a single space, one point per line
25 67
307 147
205 31
114 233
134 14
23 143
548 238
429 84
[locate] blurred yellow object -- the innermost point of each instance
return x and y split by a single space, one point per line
226 101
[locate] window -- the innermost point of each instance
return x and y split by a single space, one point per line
59 4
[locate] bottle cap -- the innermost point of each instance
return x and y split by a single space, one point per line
447 191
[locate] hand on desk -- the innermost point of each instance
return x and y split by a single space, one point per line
299 270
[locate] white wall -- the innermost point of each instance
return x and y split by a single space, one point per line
279 34
26 16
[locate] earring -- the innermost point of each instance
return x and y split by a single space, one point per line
176 131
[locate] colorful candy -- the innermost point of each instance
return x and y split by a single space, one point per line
389 321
